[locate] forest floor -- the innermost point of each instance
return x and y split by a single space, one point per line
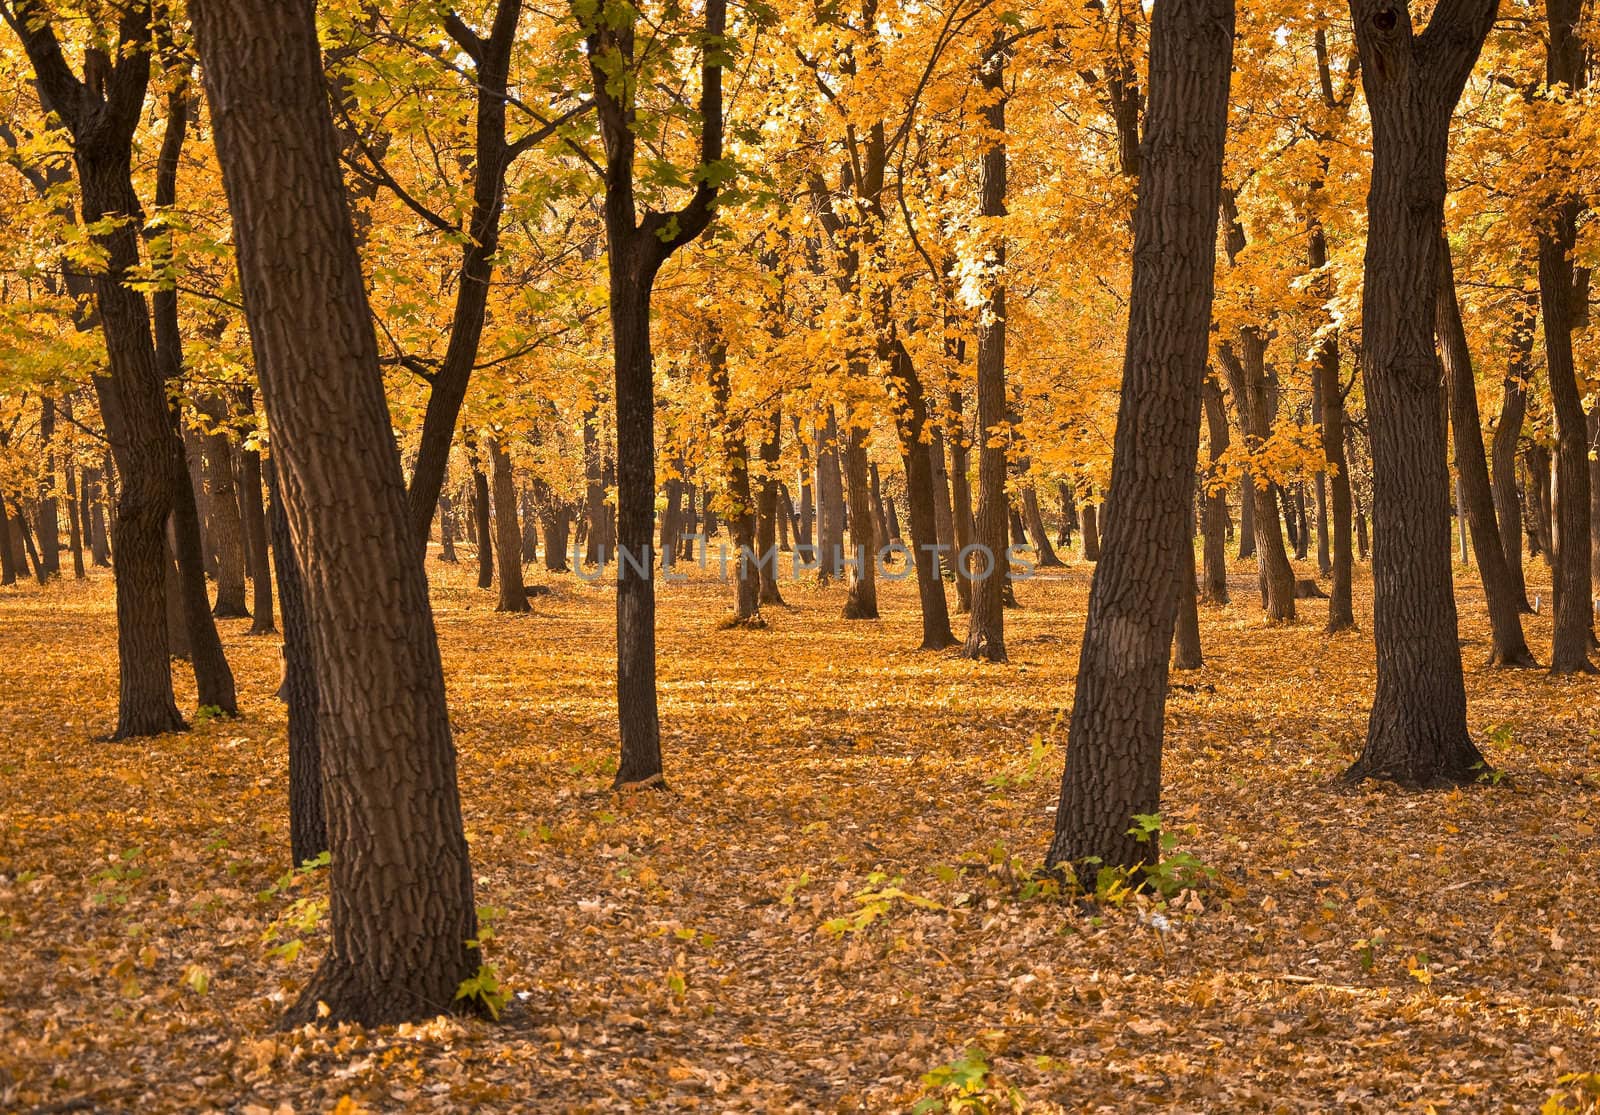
829 909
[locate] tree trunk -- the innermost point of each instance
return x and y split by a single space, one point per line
1091 529
1186 653
1507 434
1041 538
177 626
256 538
830 502
741 504
1069 514
986 624
480 519
554 518
99 538
1248 380
49 525
944 523
1417 732
530 529
769 512
1214 584
962 519
911 423
1247 516
594 497
308 826
1113 769
74 522
227 532
447 528
860 564
1508 647
1341 611
507 532
402 914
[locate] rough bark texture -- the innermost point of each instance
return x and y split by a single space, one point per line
1341 611
227 529
1113 769
911 423
858 562
401 913
507 532
1417 732
1508 647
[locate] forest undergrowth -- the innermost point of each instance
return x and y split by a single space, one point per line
834 906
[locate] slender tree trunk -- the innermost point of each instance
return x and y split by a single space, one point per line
530 529
402 914
447 528
74 522
1507 434
1041 538
178 645
227 532
1508 647
1113 769
1417 732
963 521
860 564
48 518
944 523
594 500
769 512
256 537
480 519
986 627
1341 611
308 826
1186 651
507 532
830 502
741 504
1247 378
1214 584
1247 517
911 423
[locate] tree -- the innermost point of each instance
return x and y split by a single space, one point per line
1417 731
1113 769
636 249
101 117
402 915
507 533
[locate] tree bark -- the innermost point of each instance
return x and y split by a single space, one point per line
402 914
49 524
1417 732
911 423
1508 647
257 537
1507 435
1113 768
768 510
480 518
1341 611
963 521
741 503
1041 538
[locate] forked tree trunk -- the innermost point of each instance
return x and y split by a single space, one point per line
1113 769
401 913
507 532
1507 646
1417 732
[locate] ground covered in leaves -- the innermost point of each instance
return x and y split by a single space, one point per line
831 910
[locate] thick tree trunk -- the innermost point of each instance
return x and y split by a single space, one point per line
986 624
402 914
1417 732
1508 647
507 532
1113 769
308 826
